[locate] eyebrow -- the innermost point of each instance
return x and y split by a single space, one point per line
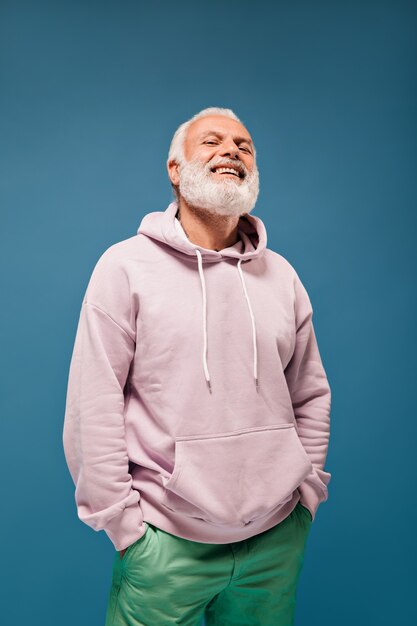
220 136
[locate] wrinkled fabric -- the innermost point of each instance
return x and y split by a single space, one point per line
164 579
197 400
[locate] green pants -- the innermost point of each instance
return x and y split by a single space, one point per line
164 580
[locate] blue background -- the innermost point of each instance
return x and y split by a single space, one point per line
91 95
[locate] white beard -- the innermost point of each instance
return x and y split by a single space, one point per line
201 190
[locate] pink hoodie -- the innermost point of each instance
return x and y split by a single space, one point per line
197 399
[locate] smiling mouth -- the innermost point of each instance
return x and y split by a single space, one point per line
227 171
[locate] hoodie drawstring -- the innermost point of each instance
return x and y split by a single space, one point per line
255 351
203 287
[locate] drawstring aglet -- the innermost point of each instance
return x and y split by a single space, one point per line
209 385
256 383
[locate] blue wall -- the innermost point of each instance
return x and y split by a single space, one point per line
92 92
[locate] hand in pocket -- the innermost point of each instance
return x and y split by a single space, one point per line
121 552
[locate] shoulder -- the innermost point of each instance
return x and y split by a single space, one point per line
120 257
111 275
289 272
121 250
282 266
279 261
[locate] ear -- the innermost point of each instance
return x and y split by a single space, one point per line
173 171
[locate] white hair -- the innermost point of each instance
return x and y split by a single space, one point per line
176 149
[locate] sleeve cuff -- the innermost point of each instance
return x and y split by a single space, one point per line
313 490
126 528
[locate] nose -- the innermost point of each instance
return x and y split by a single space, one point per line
229 148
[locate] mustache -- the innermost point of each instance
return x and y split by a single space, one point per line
207 168
228 163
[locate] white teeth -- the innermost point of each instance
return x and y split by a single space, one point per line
228 170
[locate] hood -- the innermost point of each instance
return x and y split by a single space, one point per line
165 227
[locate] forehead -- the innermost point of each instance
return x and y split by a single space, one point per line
216 124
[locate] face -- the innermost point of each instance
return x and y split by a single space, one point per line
218 172
219 138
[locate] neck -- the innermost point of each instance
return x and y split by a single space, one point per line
208 230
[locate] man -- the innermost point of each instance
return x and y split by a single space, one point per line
198 409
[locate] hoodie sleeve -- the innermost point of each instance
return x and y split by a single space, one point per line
94 432
311 399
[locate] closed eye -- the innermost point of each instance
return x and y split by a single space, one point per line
215 142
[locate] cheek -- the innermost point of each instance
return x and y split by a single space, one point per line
204 153
207 155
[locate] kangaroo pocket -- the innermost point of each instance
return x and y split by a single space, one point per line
235 478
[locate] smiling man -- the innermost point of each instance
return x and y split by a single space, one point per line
215 179
198 409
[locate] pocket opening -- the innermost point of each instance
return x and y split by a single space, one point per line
238 477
